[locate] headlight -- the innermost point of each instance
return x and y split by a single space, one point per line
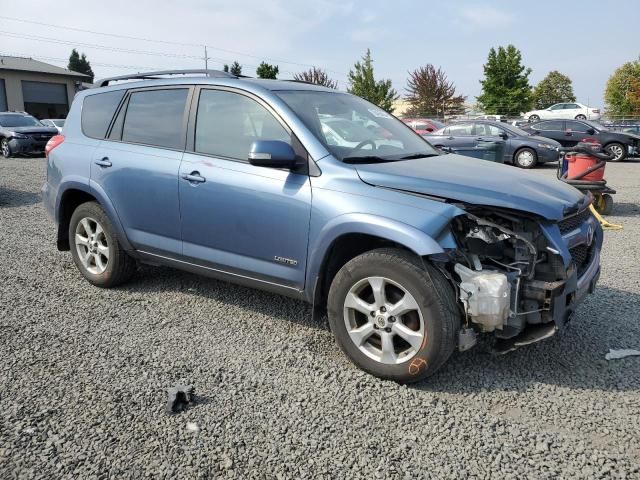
18 135
546 145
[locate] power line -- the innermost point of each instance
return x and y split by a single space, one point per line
167 42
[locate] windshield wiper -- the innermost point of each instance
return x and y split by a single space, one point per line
415 156
367 159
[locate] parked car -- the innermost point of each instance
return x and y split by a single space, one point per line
521 148
423 125
57 123
570 132
234 178
577 111
20 133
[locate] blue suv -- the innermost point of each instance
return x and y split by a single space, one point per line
321 196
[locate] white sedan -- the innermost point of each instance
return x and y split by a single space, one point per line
576 111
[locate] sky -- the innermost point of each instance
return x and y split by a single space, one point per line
586 40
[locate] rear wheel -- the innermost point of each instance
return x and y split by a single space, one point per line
525 158
5 149
393 316
617 151
95 248
534 118
581 117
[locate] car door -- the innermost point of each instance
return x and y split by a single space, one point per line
555 111
572 110
486 132
553 129
137 166
458 136
576 131
241 219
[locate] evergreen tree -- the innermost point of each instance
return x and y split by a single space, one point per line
236 69
505 88
265 70
363 84
79 63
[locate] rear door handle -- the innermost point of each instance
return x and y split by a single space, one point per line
194 177
104 162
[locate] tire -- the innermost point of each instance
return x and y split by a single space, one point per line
5 149
604 204
581 117
534 118
617 150
95 247
431 322
525 158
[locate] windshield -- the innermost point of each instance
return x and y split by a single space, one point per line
19 121
352 128
596 125
58 123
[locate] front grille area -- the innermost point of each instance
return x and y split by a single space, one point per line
571 223
580 255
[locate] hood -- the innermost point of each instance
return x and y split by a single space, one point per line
42 129
478 182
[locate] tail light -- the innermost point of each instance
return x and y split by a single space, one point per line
53 143
595 110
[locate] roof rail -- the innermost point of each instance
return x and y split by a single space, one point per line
151 75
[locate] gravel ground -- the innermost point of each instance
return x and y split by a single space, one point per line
84 373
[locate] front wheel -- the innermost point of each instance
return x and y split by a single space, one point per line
5 149
95 247
393 316
525 158
617 151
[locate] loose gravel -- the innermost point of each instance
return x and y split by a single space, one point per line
84 373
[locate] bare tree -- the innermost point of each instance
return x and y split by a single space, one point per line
431 93
317 76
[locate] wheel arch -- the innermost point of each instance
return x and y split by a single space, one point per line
351 235
74 193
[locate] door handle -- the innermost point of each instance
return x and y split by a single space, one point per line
104 162
194 177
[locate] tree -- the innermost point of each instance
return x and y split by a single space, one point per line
363 84
554 88
236 69
265 70
622 94
505 88
429 92
79 63
317 76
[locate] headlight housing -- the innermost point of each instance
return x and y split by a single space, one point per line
19 135
547 146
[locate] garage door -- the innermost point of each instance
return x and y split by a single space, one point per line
44 99
3 97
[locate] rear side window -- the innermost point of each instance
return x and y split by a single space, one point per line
97 112
551 125
227 123
156 117
462 129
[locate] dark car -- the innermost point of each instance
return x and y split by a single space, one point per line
521 148
20 133
571 132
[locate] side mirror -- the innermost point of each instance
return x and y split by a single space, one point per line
504 136
591 131
272 154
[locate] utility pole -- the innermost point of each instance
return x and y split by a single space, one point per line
206 58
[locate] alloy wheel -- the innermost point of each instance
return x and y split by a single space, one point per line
6 151
617 151
384 320
92 245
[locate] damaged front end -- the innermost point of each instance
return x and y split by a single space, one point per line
520 276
